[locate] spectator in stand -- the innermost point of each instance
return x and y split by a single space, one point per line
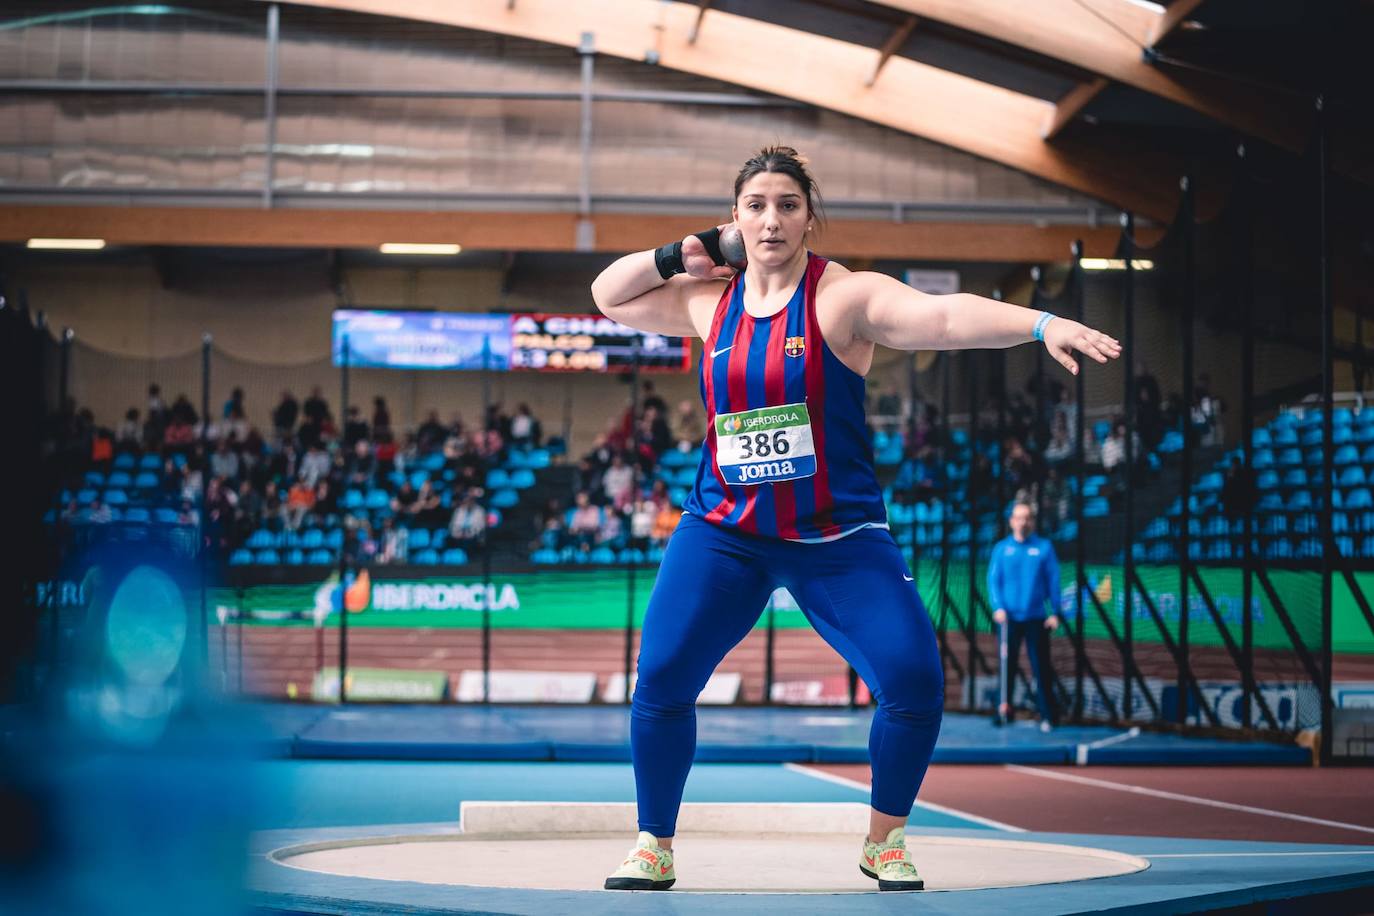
653 429
1067 408
234 405
611 533
395 543
362 466
665 523
194 478
381 418
129 431
468 522
99 514
1018 467
427 510
658 495
524 428
315 465
431 434
284 416
586 521
225 461
299 501
248 510
355 427
648 398
187 514
178 435
1114 450
1207 412
642 523
405 498
326 498
272 506
587 476
618 482
688 428
315 407
1060 447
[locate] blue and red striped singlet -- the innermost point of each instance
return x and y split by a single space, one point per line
787 452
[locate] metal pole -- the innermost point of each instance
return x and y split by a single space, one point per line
1128 359
1080 656
945 505
486 542
972 518
269 104
634 473
205 343
343 554
1185 559
64 363
587 50
1247 425
1328 543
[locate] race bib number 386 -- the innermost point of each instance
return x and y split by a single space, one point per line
767 445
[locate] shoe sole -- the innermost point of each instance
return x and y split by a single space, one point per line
638 884
884 885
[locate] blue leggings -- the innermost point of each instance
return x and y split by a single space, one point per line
711 590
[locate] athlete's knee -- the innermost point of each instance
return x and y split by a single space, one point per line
913 691
663 691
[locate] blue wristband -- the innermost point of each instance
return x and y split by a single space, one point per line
1039 331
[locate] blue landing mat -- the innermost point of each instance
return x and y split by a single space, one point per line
725 735
1184 876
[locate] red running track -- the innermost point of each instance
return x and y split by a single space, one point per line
1071 800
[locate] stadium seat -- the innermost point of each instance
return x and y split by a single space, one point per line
631 555
377 498
262 538
1209 481
1346 454
677 495
334 539
1261 438
1290 457
1266 480
1342 416
432 462
539 458
319 558
418 478
295 558
353 499
1314 457
124 461
1300 499
165 516
504 499
146 480
267 557
94 479
120 479
1295 478
1311 437
522 479
241 557
455 556
149 462
418 539
138 515
312 539
1342 435
1261 459
116 497
1359 498
1352 476
425 558
86 497
497 479
602 555
544 556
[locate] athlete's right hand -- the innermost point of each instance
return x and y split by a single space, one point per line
999 615
697 263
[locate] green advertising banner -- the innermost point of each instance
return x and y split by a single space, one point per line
597 599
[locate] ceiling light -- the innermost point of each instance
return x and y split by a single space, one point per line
1114 264
68 244
419 248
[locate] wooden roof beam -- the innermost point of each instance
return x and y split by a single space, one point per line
1074 101
964 113
894 42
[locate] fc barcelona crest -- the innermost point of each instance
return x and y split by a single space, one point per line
794 346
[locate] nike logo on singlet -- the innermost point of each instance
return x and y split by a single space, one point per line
715 353
908 578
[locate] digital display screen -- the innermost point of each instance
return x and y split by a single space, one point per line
591 343
390 339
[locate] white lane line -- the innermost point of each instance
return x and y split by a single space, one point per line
929 806
1232 855
1192 799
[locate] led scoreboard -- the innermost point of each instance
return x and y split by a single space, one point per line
397 339
591 343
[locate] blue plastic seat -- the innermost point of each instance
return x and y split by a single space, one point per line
377 499
544 556
418 478
1261 459
419 538
146 480
1209 481
425 558
262 538
630 555
1342 416
165 516
539 458
149 462
602 555
432 462
504 499
1266 480
87 496
138 514
241 557
1261 438
1295 478
522 479
1300 499
497 479
319 557
295 557
116 498
352 499
124 461
93 479
267 557
1346 454
455 556
312 539
1342 435
1359 498
1290 457
1352 476
120 479
334 539
1097 507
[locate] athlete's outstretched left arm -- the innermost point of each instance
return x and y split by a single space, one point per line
888 312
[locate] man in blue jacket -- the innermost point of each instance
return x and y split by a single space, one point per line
1023 578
